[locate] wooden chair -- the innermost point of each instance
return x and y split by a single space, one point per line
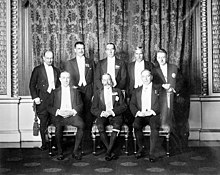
162 132
124 132
67 131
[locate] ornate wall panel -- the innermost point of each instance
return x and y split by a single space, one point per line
14 46
204 47
3 47
216 46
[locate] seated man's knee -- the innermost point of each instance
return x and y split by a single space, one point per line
137 125
101 127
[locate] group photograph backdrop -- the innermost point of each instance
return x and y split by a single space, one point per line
57 24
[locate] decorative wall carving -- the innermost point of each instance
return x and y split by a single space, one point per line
3 47
216 46
14 46
204 47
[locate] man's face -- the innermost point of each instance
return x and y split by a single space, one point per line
146 77
79 50
106 81
110 51
48 58
161 58
65 79
138 54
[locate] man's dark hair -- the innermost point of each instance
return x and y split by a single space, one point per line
79 42
111 44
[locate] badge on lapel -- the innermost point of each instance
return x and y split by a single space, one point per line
173 75
87 65
116 98
117 67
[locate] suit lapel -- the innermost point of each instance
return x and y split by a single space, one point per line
55 76
153 96
116 65
72 96
44 73
58 99
87 66
161 74
132 71
139 93
75 68
104 66
169 72
102 98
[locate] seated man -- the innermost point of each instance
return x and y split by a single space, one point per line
108 106
144 106
66 106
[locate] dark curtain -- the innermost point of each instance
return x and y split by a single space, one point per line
58 24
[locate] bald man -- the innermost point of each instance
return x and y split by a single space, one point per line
44 79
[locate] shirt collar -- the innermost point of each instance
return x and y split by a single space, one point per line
46 65
147 86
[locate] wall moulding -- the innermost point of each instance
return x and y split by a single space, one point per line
5 57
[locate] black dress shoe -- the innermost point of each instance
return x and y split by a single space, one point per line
43 148
77 156
108 157
114 156
60 157
152 159
138 155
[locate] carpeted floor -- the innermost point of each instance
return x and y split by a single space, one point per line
196 160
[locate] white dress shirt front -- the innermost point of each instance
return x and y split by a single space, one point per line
108 98
65 98
146 98
50 76
111 69
81 67
138 68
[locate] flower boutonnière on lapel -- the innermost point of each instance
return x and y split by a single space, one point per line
117 67
173 75
116 95
87 65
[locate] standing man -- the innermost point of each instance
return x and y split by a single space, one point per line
170 79
65 105
112 65
134 78
81 71
108 106
145 107
134 70
44 79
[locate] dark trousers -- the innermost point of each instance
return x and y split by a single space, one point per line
139 123
45 119
102 122
74 121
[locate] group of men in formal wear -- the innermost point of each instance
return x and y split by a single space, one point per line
84 92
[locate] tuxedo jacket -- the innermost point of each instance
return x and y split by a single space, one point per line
131 75
120 73
136 103
174 78
71 66
39 84
55 101
98 105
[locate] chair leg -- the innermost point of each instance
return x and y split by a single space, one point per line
50 143
94 144
168 149
126 143
135 145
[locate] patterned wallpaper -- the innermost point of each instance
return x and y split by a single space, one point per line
3 48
